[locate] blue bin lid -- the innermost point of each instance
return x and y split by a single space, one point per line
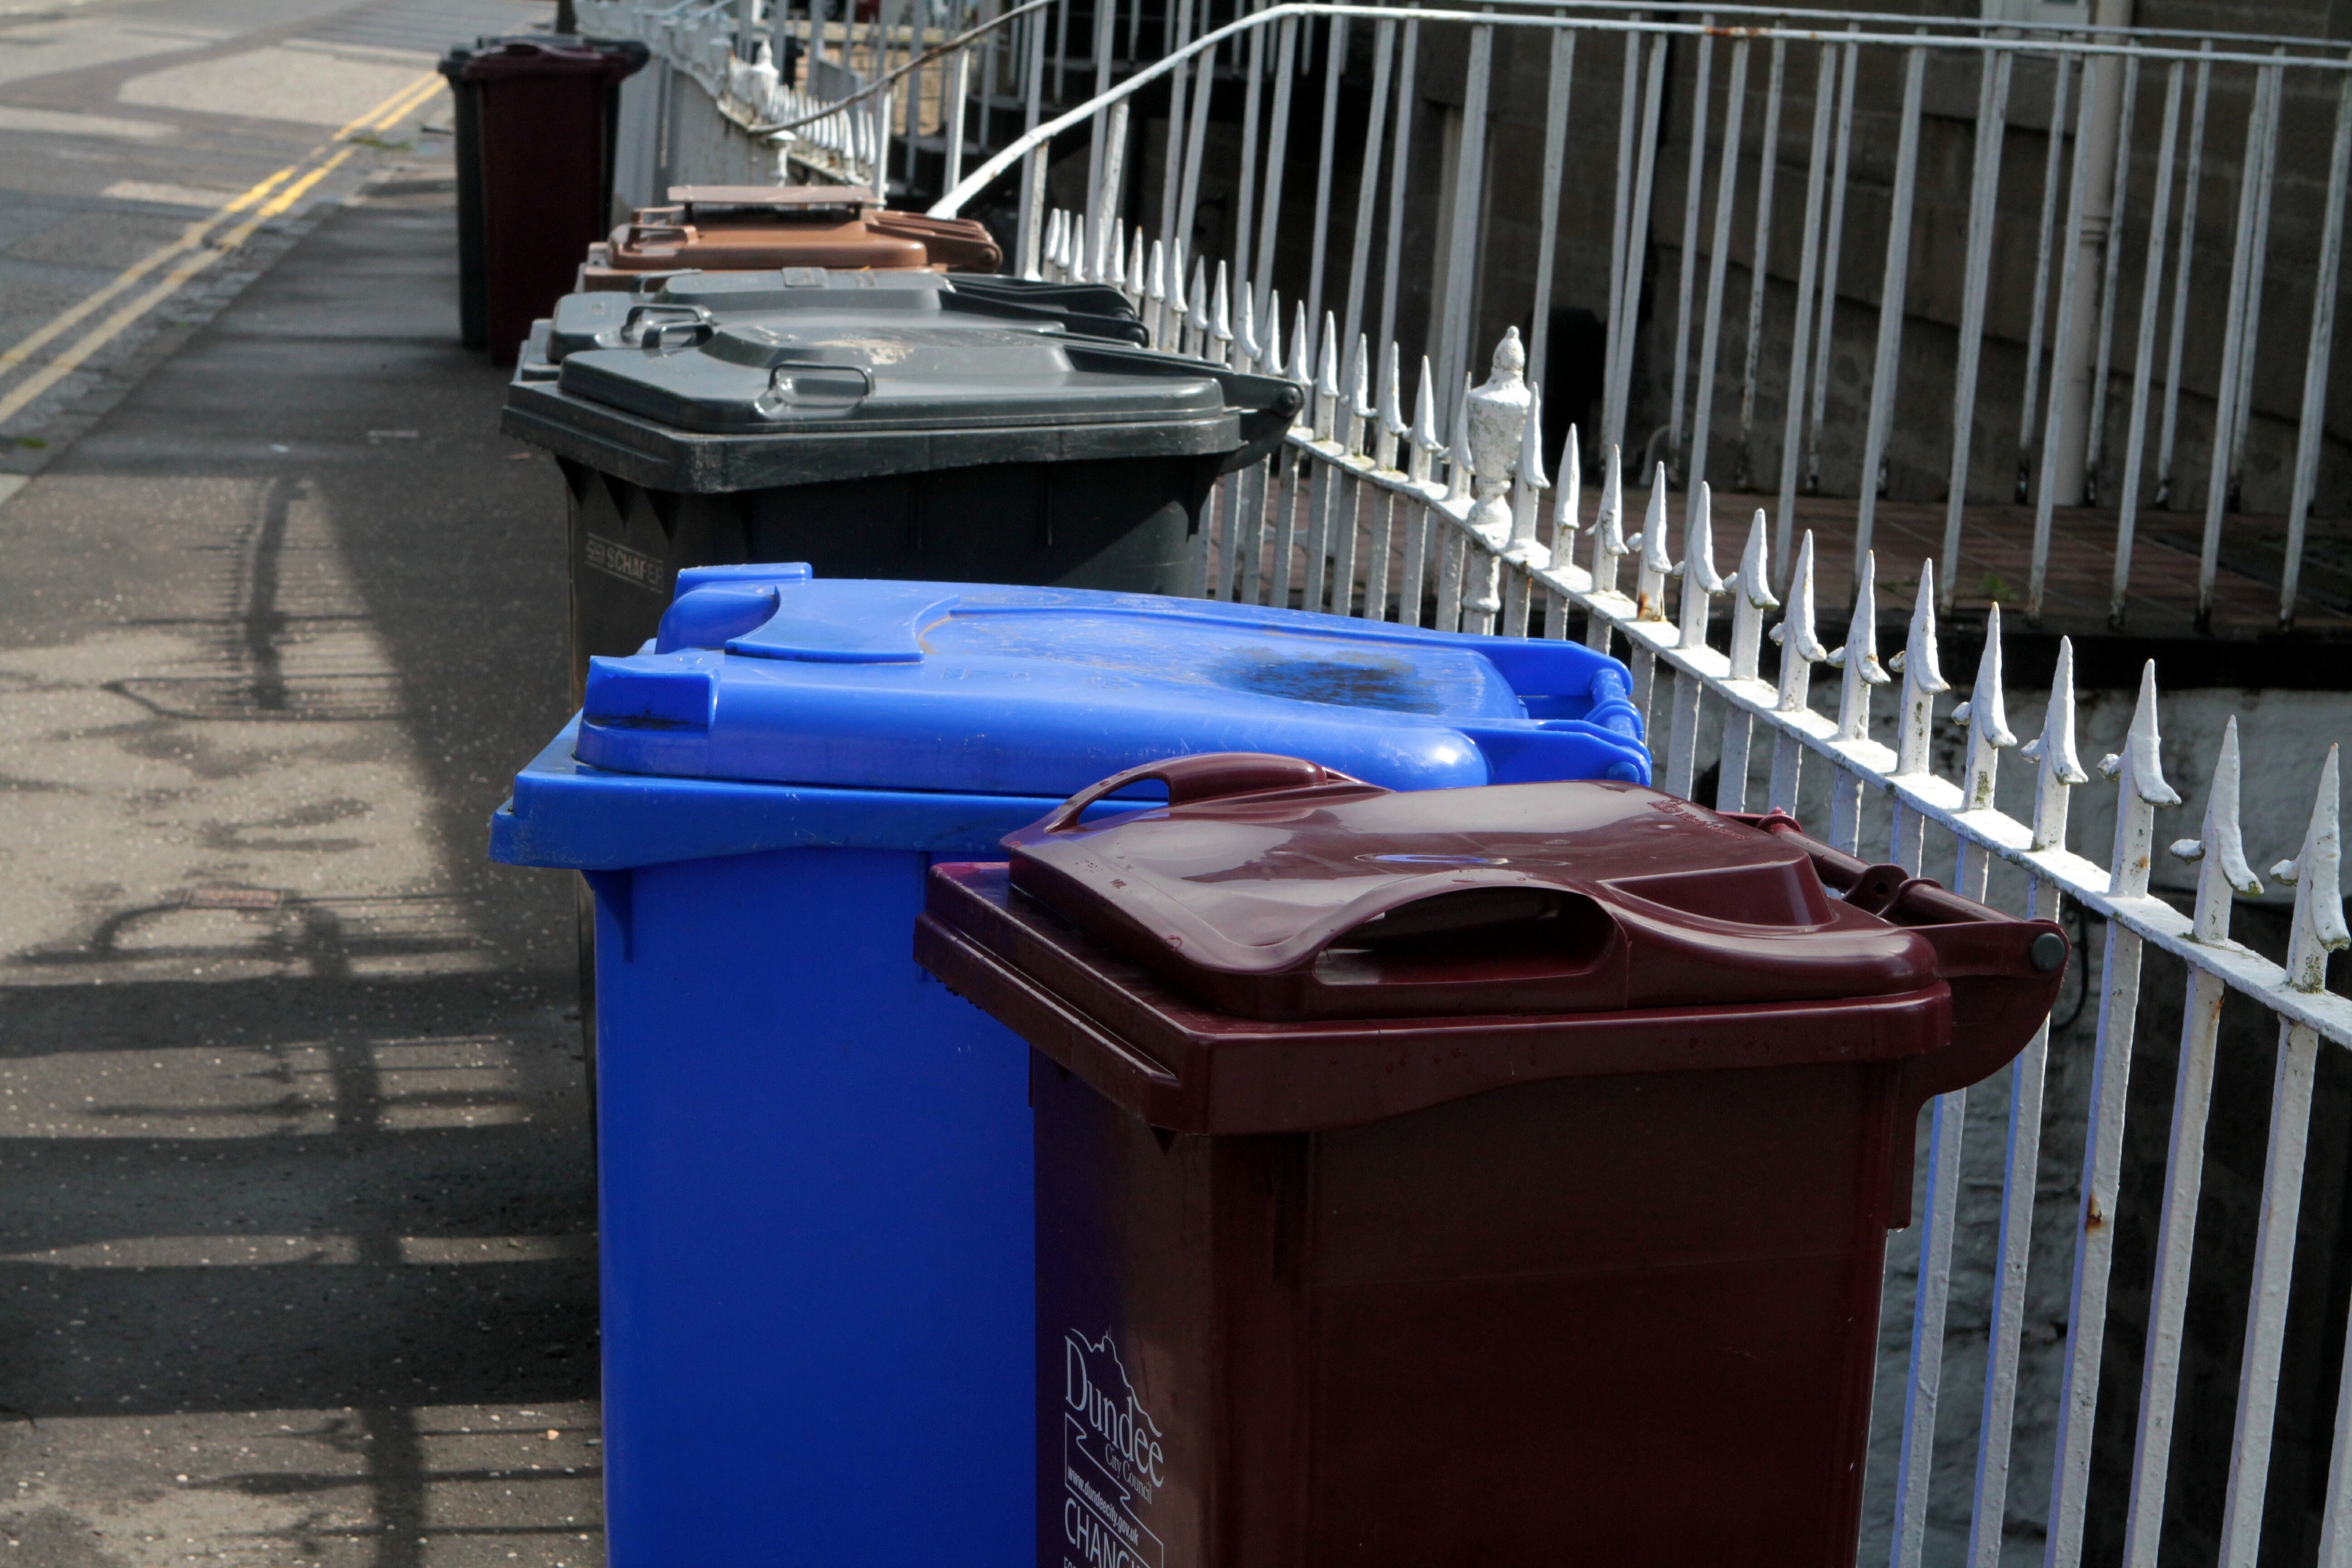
761 674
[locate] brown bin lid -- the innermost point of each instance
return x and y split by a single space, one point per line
778 196
654 246
727 228
1269 887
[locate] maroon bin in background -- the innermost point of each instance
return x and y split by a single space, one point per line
541 110
1494 1176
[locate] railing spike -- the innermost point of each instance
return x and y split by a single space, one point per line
1608 545
1458 451
1567 503
1753 586
1755 578
1700 583
1198 319
1391 426
1082 252
2219 851
1221 321
1155 295
1327 386
1985 716
1800 646
2138 770
1527 485
1253 352
1302 349
2053 749
1135 274
1923 677
2317 873
1270 360
1358 381
1656 565
1176 301
1859 658
1055 219
1425 444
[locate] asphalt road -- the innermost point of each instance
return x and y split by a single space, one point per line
129 133
296 1209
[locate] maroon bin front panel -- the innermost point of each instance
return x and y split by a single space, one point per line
1621 1320
542 149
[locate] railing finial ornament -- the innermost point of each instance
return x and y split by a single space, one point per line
2317 874
2219 851
1302 349
1253 353
1082 253
1568 500
1495 421
2138 770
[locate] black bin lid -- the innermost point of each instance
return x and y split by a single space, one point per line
754 375
685 306
733 381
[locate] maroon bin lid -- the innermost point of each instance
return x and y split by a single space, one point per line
533 57
1272 889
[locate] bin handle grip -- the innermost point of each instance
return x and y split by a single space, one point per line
2003 975
1213 775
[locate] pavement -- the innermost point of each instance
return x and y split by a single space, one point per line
296 1217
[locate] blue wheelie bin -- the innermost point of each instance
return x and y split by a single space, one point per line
816 1205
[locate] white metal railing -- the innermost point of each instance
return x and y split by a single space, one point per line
1348 517
2075 442
2118 404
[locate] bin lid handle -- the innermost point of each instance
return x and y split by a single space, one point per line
802 383
1212 776
664 326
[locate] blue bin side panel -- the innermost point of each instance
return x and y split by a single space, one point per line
817 1227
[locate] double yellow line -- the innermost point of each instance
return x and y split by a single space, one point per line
197 248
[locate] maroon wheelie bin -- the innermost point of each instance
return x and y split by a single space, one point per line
536 122
1493 1175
